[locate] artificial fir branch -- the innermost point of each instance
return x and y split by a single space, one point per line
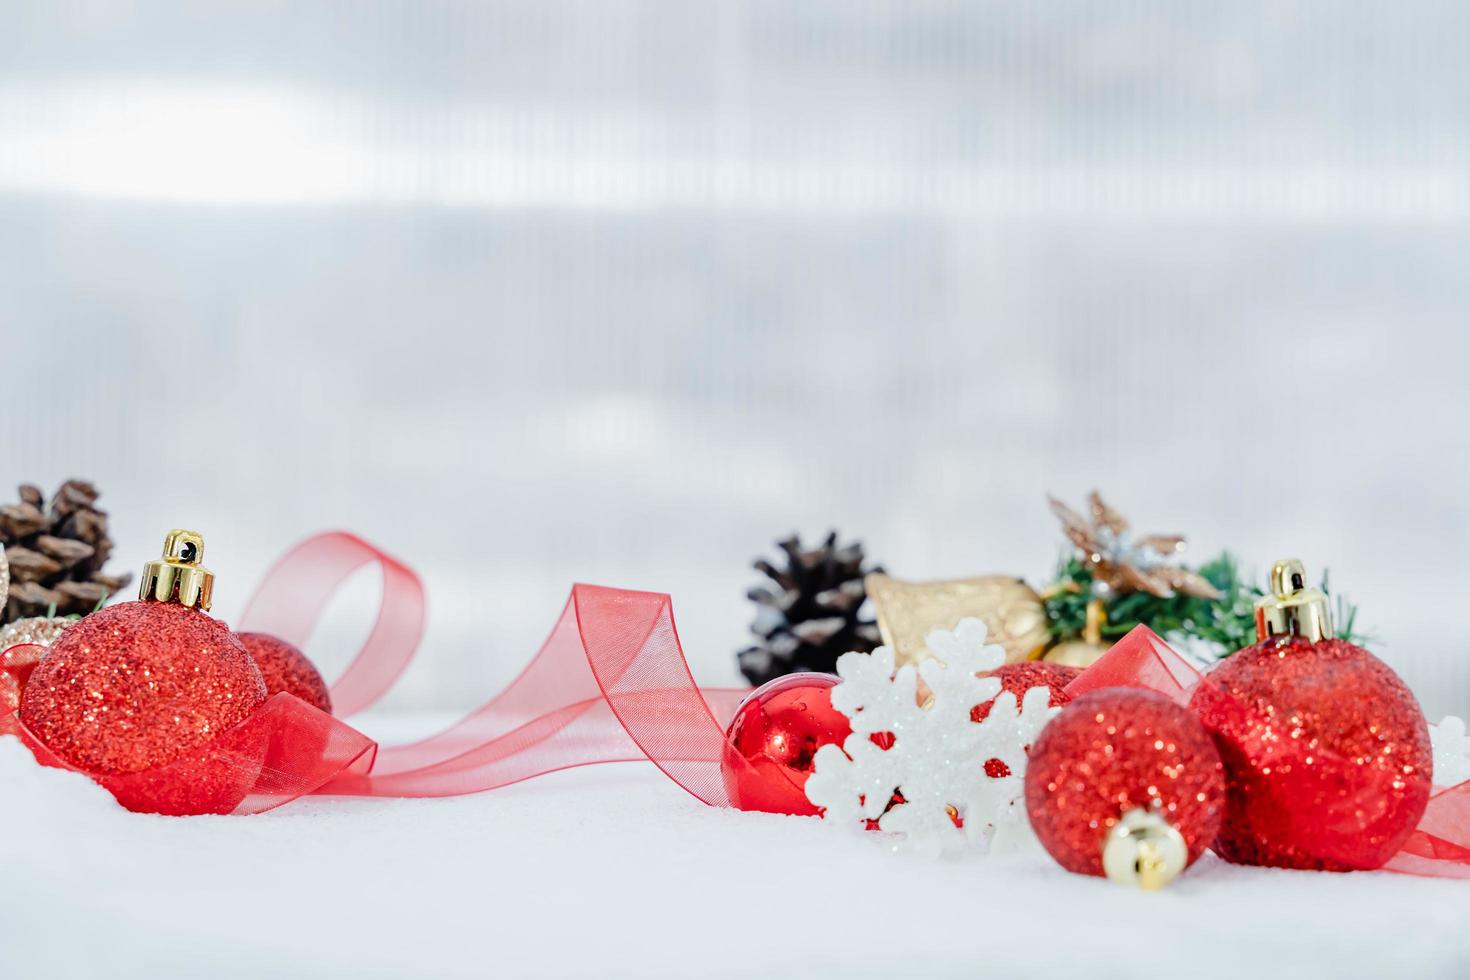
1227 623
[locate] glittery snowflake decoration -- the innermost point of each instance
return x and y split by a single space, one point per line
961 781
1451 752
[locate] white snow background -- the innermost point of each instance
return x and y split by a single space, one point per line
615 871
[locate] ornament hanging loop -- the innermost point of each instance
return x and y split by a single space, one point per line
1293 609
1143 850
179 575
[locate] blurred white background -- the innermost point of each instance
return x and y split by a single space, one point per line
618 292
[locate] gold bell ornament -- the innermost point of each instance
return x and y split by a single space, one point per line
908 612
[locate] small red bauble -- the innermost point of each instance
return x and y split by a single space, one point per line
1110 753
773 739
1326 753
285 668
1021 677
136 686
1018 678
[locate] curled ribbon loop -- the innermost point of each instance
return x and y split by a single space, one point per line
609 684
290 601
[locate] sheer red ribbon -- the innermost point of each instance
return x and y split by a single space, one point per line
610 684
1439 846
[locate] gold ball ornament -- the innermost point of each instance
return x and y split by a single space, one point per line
40 630
1088 650
908 611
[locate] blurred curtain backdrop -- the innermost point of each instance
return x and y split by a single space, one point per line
618 292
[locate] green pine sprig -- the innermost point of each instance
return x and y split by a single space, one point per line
1227 623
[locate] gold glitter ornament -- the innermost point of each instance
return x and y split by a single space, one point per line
40 630
908 611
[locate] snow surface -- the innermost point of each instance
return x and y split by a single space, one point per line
614 871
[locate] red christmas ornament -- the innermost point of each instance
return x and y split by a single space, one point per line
139 685
1326 751
777 731
1125 782
1018 678
285 668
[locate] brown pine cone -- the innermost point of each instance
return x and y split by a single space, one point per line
56 552
811 612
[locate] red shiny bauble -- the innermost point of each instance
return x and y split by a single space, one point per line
1116 750
773 739
138 685
1021 677
1326 752
285 668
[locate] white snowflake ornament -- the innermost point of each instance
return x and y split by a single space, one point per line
1451 752
938 758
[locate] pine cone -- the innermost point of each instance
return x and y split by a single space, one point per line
56 552
810 616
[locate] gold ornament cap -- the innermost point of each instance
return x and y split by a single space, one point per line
1144 851
1293 609
178 576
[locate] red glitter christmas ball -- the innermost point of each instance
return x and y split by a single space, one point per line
1018 678
285 668
777 731
1021 677
137 686
1326 752
1117 750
